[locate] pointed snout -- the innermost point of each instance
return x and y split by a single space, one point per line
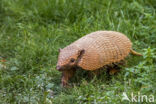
58 67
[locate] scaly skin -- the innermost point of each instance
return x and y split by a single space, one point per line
94 51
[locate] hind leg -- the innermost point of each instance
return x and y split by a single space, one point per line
113 69
66 75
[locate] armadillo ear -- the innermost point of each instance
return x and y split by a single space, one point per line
80 53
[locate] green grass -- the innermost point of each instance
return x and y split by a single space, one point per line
32 31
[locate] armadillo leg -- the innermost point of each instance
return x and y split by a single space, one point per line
113 71
66 75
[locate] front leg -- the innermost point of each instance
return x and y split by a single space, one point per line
66 75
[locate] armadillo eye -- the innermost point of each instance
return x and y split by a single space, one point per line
72 60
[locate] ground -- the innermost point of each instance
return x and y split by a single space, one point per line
32 31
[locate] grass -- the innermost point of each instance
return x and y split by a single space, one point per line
32 31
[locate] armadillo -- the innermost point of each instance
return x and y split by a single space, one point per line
93 51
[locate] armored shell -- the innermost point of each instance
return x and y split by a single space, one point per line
101 48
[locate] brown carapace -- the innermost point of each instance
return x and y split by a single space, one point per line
92 52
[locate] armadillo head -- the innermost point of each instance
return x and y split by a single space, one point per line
69 57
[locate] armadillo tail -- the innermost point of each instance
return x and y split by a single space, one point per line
135 53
